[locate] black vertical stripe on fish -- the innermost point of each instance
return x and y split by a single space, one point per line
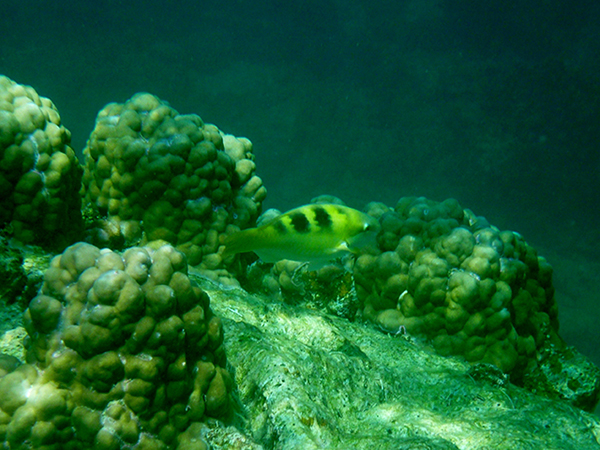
300 222
322 217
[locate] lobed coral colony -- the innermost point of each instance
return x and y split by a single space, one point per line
450 276
123 349
40 175
171 176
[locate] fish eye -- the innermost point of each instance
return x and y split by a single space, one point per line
371 226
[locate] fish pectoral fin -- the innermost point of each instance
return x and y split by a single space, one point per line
362 241
240 242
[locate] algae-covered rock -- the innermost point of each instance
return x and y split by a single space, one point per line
21 272
13 279
307 380
567 375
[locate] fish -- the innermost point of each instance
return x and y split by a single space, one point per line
316 234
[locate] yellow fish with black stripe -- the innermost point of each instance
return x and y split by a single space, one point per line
315 234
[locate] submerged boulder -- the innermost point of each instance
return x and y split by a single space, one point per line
308 380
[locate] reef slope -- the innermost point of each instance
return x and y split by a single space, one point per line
306 380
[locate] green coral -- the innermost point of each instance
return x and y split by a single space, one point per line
171 176
40 176
472 289
124 351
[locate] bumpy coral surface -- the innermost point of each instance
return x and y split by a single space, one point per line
40 176
124 352
443 273
149 169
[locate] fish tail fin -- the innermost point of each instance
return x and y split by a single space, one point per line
240 242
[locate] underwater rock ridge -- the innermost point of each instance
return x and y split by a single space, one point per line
309 380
